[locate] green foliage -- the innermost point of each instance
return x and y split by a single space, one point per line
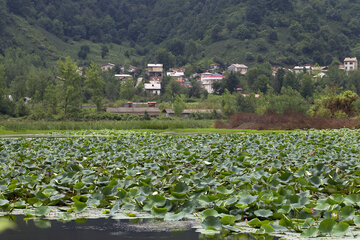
71 86
288 99
95 85
229 102
104 51
340 105
227 186
51 98
173 88
178 105
166 58
307 86
84 50
258 77
127 89
318 31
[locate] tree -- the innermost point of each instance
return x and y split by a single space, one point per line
279 80
127 89
195 90
71 93
3 14
246 103
21 7
231 82
215 33
165 57
172 89
229 103
335 105
112 86
261 83
178 105
258 77
104 51
51 99
307 86
84 50
291 80
95 83
288 99
218 88
176 46
5 104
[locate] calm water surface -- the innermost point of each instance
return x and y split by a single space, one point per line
103 229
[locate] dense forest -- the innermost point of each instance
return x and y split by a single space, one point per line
284 32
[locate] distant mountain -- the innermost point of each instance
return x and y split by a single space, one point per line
283 32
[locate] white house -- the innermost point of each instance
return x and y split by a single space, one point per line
122 76
300 69
107 67
178 74
155 71
153 87
350 64
241 68
207 79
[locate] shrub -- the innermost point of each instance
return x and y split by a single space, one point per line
344 102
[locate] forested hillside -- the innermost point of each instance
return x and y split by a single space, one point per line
284 32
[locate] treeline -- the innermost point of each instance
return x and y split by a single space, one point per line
282 32
32 89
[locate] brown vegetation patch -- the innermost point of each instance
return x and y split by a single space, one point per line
287 121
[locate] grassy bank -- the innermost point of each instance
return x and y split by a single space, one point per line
8 127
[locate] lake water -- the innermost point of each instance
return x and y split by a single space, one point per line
104 229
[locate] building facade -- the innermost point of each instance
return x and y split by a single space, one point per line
350 64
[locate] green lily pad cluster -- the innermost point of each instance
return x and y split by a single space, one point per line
306 181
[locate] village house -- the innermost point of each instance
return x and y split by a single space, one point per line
301 69
207 80
241 68
153 87
155 72
320 69
122 76
132 69
140 111
350 64
214 66
178 74
107 67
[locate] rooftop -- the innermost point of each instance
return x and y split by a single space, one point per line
239 65
348 59
155 65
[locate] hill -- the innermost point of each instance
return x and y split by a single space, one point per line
283 32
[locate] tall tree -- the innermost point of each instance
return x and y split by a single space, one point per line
127 89
51 99
307 86
178 105
279 80
231 82
72 94
3 14
4 98
95 84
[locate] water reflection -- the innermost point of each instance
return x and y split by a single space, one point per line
104 229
